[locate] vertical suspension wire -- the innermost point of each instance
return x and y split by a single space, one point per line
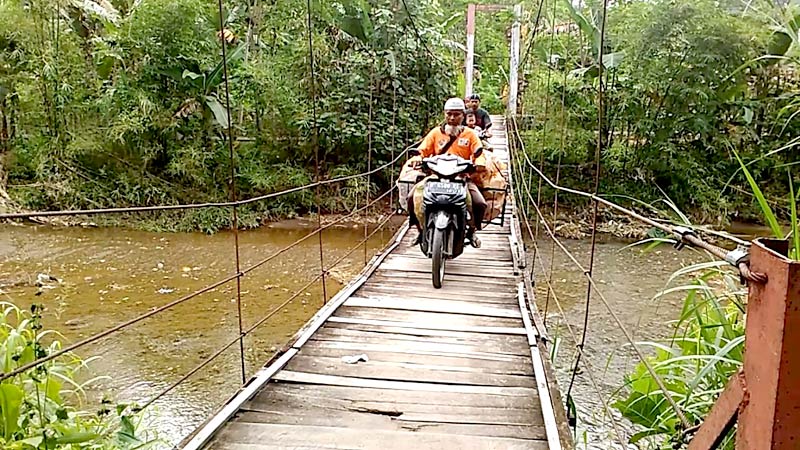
562 147
546 120
233 194
315 143
369 160
595 204
394 143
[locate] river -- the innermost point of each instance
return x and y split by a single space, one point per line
107 276
110 275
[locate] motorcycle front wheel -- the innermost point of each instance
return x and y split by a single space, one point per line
437 255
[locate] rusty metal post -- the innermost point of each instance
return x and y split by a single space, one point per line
767 390
770 413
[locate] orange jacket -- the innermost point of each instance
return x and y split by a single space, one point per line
465 145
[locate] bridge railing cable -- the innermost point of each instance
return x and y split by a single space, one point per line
537 257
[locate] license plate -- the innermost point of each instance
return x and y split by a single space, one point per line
438 187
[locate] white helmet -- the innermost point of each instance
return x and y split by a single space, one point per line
455 103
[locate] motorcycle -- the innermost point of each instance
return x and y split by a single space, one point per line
444 200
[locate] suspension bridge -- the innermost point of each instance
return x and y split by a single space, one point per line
391 363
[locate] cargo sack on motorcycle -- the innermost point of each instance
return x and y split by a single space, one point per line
409 175
489 178
419 210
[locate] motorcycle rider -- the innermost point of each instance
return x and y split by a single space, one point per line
454 138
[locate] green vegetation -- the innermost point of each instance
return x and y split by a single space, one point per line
39 408
117 103
689 85
695 364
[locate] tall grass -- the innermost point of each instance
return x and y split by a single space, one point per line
39 409
705 349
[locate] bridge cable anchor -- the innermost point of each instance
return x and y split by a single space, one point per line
683 232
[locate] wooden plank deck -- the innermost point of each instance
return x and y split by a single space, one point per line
457 367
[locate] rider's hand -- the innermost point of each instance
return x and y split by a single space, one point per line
487 133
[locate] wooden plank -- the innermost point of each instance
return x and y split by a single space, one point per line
296 403
404 399
441 306
417 423
430 328
452 267
467 288
314 378
423 334
493 343
432 350
432 346
452 362
355 439
405 372
382 275
425 319
525 317
426 293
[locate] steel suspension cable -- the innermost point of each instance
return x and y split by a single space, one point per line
595 204
257 324
613 314
589 367
563 127
315 143
234 208
121 326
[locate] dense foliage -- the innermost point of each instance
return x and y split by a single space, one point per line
115 103
688 84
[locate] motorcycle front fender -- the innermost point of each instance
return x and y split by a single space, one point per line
442 220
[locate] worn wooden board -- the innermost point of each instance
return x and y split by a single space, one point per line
414 422
405 372
450 292
431 328
389 327
439 350
426 318
335 380
356 332
397 276
453 363
363 439
407 345
439 306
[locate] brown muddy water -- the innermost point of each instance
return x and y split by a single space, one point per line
629 279
107 276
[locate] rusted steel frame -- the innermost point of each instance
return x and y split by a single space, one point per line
722 416
769 417
136 209
103 334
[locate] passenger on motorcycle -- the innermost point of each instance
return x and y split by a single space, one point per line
454 138
482 118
